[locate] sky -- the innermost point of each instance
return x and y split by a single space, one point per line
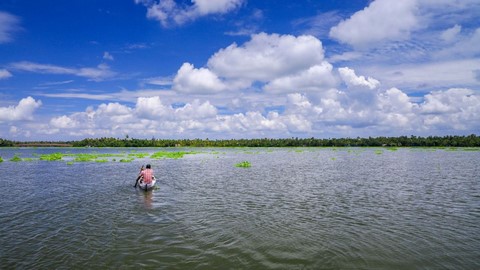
231 69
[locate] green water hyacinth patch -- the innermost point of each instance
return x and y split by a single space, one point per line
165 154
51 157
15 158
139 155
243 164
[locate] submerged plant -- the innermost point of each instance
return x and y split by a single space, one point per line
243 164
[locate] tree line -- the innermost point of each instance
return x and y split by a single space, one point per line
401 141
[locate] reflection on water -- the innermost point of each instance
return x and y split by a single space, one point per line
314 209
147 197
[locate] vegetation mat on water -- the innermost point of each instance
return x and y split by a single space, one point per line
16 159
243 164
51 157
166 154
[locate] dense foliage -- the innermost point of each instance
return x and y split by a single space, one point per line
7 143
430 141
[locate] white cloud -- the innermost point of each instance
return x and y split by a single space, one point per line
389 111
382 20
315 78
456 108
168 12
63 122
23 111
98 73
108 56
451 33
429 75
351 79
266 57
152 108
464 47
201 81
4 74
196 110
8 25
395 109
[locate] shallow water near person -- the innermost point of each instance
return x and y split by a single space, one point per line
305 208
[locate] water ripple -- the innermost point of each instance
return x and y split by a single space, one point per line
317 209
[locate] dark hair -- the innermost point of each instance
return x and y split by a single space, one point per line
148 166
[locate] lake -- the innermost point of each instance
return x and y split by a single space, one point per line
305 208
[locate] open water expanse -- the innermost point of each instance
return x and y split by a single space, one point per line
308 208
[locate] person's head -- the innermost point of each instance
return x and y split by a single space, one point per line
148 166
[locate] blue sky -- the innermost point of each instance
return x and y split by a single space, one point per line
223 69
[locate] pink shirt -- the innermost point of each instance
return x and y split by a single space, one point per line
147 175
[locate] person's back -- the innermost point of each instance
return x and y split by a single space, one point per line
147 175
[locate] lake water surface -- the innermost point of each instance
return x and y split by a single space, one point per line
309 208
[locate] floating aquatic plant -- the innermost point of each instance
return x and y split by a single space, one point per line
243 164
51 157
1 159
139 155
165 154
15 158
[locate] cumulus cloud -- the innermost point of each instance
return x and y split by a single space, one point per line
351 79
168 12
284 63
63 122
382 20
455 108
315 78
4 74
391 111
196 110
266 57
23 111
8 25
98 73
201 81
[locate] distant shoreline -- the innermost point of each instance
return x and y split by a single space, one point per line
401 141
